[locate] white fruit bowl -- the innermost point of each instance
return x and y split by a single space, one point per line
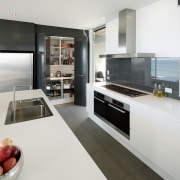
14 173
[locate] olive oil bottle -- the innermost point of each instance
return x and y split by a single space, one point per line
159 91
155 90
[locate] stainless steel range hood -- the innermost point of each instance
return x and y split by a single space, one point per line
127 36
127 31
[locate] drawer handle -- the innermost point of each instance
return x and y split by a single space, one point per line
117 108
99 99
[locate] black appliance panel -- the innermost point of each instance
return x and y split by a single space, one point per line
113 112
119 118
100 105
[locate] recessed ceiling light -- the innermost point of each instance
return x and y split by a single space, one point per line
13 14
103 18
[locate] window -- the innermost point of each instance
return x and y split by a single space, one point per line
99 48
165 69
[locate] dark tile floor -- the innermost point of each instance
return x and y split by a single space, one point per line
115 161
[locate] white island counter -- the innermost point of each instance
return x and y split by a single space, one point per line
51 150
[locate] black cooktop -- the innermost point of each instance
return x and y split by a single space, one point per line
125 91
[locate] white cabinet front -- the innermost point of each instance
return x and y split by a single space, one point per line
154 137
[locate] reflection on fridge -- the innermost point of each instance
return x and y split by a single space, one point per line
15 69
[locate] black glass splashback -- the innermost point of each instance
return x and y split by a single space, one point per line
143 73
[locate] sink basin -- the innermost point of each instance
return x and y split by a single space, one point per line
26 110
29 102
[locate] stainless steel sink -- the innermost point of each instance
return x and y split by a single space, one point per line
26 110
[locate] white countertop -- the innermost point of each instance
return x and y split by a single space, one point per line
51 150
164 106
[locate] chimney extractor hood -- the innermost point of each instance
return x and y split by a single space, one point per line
127 36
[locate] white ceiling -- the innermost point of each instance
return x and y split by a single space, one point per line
77 14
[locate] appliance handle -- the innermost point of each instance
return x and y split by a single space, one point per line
116 108
99 99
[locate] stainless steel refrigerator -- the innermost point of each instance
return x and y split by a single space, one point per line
15 69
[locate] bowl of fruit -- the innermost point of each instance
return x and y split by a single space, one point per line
11 160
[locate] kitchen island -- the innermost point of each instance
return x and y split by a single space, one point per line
51 150
154 132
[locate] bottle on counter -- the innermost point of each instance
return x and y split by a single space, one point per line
155 90
164 94
159 91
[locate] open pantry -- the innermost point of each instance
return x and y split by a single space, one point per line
60 55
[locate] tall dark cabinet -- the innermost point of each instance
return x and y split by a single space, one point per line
42 67
81 70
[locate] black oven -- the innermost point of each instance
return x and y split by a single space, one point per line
113 112
100 104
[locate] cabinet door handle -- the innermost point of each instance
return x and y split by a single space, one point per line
116 108
99 99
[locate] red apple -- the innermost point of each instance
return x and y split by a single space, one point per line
1 170
9 164
5 153
15 151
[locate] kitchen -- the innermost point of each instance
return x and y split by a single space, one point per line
145 31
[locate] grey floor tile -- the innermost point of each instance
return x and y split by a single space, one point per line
89 125
86 126
103 138
127 160
114 160
144 173
109 166
90 142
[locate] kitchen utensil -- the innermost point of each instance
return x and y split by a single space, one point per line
58 74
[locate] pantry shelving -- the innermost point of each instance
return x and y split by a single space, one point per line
60 54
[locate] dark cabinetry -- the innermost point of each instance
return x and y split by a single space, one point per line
7 41
42 67
81 70
17 36
22 36
17 41
25 41
80 56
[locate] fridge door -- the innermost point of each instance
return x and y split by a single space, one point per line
15 69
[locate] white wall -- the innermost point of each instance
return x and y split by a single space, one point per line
157 30
99 48
112 37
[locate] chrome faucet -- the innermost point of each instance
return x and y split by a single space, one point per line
14 90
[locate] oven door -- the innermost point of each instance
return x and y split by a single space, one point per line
119 119
100 107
